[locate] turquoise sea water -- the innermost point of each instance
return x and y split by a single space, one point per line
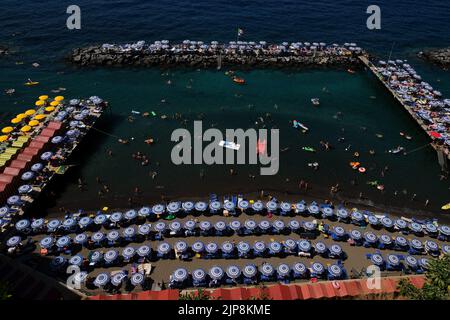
36 33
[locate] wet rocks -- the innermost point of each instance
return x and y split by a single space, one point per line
440 57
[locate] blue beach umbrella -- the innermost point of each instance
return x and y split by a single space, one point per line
159 226
424 263
313 209
85 222
342 213
290 244
227 247
320 247
175 226
233 272
220 226
144 229
294 225
22 224
411 262
259 246
264 225
393 260
328 211
164 248
336 250
431 228
416 244
387 222
243 247
249 271
116 217
37 224
205 225
243 204
283 270
57 139
318 268
285 207
96 257
76 260
158 209
101 280
300 207
401 241
310 226
63 242
339 231
80 277
130 214
431 246
128 252
357 216
144 212
24 189
47 242
415 227
46 155
13 241
111 256
250 224
198 247
53 224
278 225
271 206
304 245
385 239
257 206
267 269
445 230
199 275
14 200
113 235
173 207
37 167
69 223
373 220
201 206
57 262
188 206
446 249
143 251
211 247
100 219
229 206
355 235
80 238
190 225
215 206
377 259
181 246
335 270
275 247
370 237
98 237
235 225
4 211
216 273
129 232
401 224
137 279
299 268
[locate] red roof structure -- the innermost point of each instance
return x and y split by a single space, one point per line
298 291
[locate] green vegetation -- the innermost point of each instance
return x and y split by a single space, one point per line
4 291
437 285
199 295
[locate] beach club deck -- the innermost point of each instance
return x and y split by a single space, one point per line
222 244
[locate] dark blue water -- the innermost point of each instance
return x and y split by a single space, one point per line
36 32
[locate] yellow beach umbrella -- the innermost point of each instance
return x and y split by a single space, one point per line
3 138
39 117
39 103
30 112
15 120
59 98
25 128
54 103
49 109
20 116
7 129
43 97
33 123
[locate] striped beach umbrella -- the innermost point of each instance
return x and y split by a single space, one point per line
159 226
401 224
335 270
80 238
143 251
22 224
310 226
96 256
401 241
85 222
243 204
130 215
294 225
393 260
111 256
198 247
342 213
129 232
243 247
299 268
250 224
215 206
415 227
290 244
199 274
328 211
313 209
188 206
98 236
76 260
377 259
144 229
300 207
318 268
128 252
211 247
411 261
201 206
13 241
205 225
100 219
116 217
259 246
229 206
137 279
233 272
257 206
220 226
158 209
283 270
47 242
336 249
37 224
416 244
370 237
175 226
164 248
113 235
271 206
278 225
385 239
275 247
304 245
190 225
101 280
267 269
264 225
227 247
285 207
355 235
63 242
216 273
249 271
320 247
235 225
53 224
173 207
181 246
144 212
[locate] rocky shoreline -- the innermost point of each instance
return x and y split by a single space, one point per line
97 56
440 57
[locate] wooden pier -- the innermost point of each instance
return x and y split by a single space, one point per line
443 157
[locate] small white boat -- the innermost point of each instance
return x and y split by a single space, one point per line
229 145
315 101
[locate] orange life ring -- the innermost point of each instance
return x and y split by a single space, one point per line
362 169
